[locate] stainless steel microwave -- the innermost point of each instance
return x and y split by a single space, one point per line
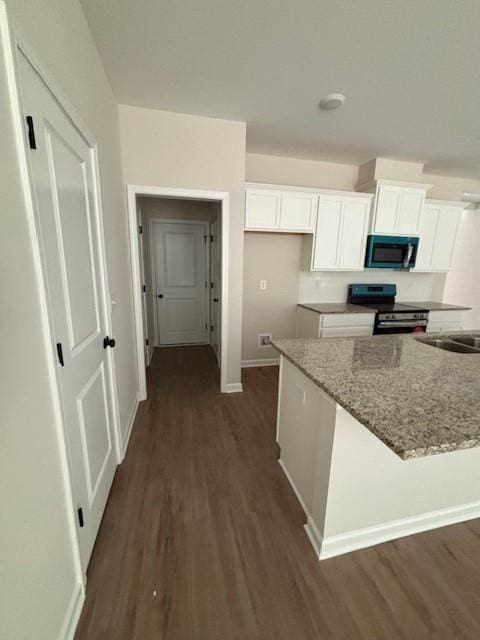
391 252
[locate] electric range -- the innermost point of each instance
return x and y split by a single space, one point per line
391 316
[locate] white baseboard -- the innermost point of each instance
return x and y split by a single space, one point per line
234 387
314 536
262 362
72 615
128 432
361 538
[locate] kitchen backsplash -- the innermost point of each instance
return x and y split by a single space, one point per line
332 287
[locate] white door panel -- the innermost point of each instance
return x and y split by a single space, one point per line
64 184
180 263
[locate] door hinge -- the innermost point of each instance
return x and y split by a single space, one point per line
80 517
147 342
60 354
205 238
144 288
211 238
211 327
211 285
31 133
140 228
206 325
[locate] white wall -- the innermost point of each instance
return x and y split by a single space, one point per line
276 259
184 151
38 577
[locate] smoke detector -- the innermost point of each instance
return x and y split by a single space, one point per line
332 101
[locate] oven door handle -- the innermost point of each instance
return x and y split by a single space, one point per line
413 323
406 262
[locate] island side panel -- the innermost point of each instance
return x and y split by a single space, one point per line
301 430
374 496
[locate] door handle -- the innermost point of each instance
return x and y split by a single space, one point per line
108 342
160 295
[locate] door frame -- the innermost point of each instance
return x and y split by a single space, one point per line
135 191
13 46
151 223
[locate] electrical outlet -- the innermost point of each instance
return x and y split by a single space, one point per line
264 339
263 285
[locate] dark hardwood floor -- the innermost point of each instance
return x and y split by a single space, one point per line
202 538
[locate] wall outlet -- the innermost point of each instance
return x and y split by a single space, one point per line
263 285
264 339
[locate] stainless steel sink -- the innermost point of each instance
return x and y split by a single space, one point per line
471 341
452 345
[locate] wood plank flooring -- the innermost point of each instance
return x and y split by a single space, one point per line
202 538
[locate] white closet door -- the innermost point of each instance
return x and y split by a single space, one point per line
64 181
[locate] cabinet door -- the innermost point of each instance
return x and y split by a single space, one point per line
262 209
447 225
410 211
387 207
427 233
298 211
327 236
354 234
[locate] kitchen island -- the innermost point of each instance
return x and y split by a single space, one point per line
379 437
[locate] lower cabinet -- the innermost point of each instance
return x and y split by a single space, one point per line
311 324
444 321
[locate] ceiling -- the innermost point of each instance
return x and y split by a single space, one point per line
410 70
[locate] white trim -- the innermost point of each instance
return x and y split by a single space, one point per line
361 538
279 395
153 271
187 194
233 387
9 50
261 362
314 535
130 423
73 613
292 484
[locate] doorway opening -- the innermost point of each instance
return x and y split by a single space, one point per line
178 241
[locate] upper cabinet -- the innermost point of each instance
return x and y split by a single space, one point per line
341 232
398 208
438 232
269 209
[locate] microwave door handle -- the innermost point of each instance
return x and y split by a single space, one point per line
406 262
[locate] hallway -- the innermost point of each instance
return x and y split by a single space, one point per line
202 537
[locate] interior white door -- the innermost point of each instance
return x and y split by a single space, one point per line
180 258
65 187
216 288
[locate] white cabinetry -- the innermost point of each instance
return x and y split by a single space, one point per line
341 233
445 320
438 232
311 324
269 209
398 208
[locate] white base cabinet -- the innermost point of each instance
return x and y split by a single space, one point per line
444 321
311 324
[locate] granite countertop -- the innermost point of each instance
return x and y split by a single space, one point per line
431 305
417 399
335 307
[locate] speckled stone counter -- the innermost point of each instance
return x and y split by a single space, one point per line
335 307
417 399
431 305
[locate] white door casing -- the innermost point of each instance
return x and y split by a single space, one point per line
180 276
65 188
216 287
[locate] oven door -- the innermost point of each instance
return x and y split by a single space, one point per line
385 327
391 252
